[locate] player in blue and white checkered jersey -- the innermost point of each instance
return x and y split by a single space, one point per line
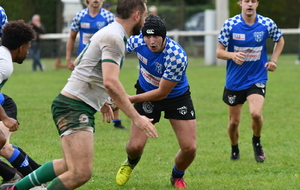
162 86
87 22
245 37
3 20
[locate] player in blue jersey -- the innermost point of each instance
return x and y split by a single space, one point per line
3 20
162 86
87 22
245 36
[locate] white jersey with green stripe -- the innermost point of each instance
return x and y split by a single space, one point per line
6 65
86 81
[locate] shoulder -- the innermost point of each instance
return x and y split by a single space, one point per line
265 20
81 13
106 13
137 39
173 48
111 33
233 20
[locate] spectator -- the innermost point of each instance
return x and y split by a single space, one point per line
35 51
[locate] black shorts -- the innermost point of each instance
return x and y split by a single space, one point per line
180 107
10 107
232 98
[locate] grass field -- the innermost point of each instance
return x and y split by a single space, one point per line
212 170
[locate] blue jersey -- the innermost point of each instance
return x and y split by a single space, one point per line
238 36
3 19
170 64
87 26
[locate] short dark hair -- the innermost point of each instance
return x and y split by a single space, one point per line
126 7
17 33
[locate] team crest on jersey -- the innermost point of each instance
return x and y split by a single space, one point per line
148 107
182 110
85 25
158 68
258 36
241 37
100 25
231 99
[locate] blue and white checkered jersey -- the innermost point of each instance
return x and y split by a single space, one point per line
87 26
238 36
3 19
170 64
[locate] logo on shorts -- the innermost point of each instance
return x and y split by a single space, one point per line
83 118
182 110
148 107
231 99
260 85
192 113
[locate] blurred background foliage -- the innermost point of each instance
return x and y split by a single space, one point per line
285 13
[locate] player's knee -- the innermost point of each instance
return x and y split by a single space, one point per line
256 116
233 124
189 150
82 177
134 147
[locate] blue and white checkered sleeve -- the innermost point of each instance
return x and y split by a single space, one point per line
274 32
75 24
3 19
176 63
108 16
133 42
224 35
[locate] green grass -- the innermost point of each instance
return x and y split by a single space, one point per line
212 170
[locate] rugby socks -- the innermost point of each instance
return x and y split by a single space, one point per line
6 172
43 174
32 163
256 140
20 162
235 148
56 184
133 161
176 173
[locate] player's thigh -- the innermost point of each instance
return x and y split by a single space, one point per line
255 102
78 151
5 131
185 131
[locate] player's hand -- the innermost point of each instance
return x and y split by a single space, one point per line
239 58
270 66
145 125
71 65
11 123
107 112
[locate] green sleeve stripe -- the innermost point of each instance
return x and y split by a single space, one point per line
109 60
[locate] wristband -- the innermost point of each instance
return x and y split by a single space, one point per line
273 61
